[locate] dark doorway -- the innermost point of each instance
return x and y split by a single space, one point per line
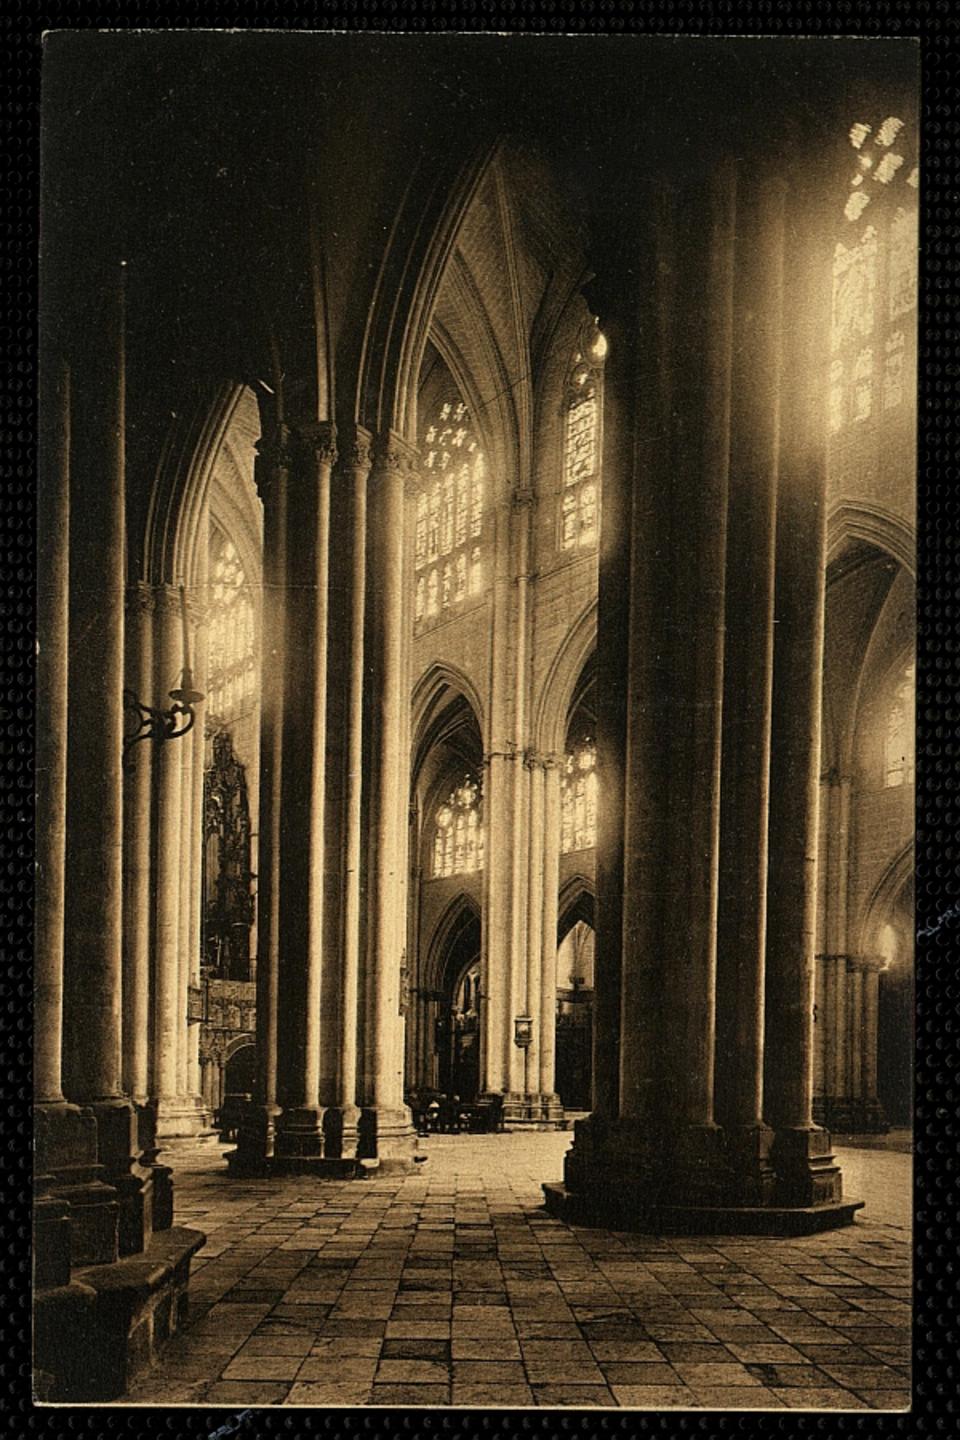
239 1071
574 1044
458 1025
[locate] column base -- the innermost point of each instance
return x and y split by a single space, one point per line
386 1139
256 1141
532 1110
118 1149
66 1155
181 1118
806 1174
700 1180
94 1336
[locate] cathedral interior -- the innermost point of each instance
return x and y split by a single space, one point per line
475 684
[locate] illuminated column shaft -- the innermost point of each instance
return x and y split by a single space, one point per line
52 689
534 925
871 1008
138 785
549 924
169 1016
357 461
303 848
386 1125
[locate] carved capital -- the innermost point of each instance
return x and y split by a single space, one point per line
523 499
318 439
356 451
139 598
393 455
167 600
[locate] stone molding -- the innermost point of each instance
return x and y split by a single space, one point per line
139 598
356 452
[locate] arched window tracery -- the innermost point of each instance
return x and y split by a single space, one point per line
448 544
580 491
578 797
899 736
458 831
231 664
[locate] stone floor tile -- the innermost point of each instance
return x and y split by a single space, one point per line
618 1372
886 1399
263 1367
711 1375
410 1396
865 1377
318 1393
271 1344
626 1350
502 1396
558 1372
740 1397
338 1370
488 1372
239 1393
766 1354
404 1329
799 1398
573 1395
472 1347
694 1352
412 1372
654 1397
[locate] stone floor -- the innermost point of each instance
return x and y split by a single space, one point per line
452 1286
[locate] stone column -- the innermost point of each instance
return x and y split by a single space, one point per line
873 1117
136 856
303 849
94 892
806 1174
351 609
169 991
82 1215
194 868
386 1133
550 899
748 684
257 1135
854 980
533 929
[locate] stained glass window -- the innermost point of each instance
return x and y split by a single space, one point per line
579 500
578 797
458 831
874 274
232 657
899 746
450 513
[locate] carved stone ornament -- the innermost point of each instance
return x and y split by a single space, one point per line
319 439
357 451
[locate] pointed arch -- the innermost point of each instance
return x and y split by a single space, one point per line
577 902
461 912
439 681
877 526
563 677
882 901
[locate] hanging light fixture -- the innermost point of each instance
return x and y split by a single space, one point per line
178 719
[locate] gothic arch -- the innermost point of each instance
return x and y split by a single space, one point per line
577 902
413 266
439 679
884 897
462 911
875 525
560 685
171 540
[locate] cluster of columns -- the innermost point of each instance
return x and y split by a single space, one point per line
334 781
710 636
848 1009
98 1198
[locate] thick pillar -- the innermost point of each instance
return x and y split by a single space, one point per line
806 1174
748 685
136 856
854 978
65 1153
386 1133
303 849
652 1153
257 1135
94 896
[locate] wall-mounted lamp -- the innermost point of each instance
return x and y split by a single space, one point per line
523 1031
178 719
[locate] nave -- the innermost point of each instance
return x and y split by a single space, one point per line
452 1286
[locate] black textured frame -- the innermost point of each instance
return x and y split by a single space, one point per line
936 1339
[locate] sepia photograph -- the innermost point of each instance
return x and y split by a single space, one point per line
475 759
